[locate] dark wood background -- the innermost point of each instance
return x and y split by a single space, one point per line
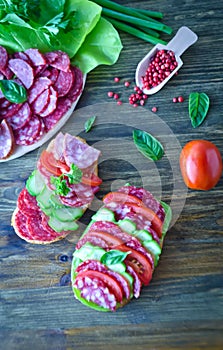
183 306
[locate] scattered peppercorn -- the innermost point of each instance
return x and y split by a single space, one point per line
154 109
110 94
180 99
119 102
116 96
116 80
127 83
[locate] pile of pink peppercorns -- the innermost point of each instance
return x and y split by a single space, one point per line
136 98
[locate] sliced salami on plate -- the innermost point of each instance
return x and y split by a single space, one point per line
53 87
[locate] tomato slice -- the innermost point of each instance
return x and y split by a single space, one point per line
48 161
93 180
109 281
149 214
137 206
107 237
139 262
56 167
120 197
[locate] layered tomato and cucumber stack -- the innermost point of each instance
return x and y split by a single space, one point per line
120 248
58 191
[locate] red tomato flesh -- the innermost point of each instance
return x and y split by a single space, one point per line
110 282
137 206
139 262
200 164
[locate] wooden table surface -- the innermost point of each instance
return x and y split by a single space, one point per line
183 306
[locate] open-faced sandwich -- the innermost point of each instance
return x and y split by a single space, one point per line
58 191
120 248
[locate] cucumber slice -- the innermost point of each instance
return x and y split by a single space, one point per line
104 214
143 235
127 225
35 183
88 251
55 201
47 211
59 226
168 217
67 214
43 198
119 267
154 248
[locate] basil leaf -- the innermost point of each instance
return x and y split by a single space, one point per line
198 107
12 91
148 145
113 257
89 123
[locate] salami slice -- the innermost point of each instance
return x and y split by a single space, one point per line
78 152
40 84
35 56
22 56
22 70
6 140
37 231
51 106
27 204
63 83
80 195
137 284
63 105
10 110
19 224
96 291
51 73
30 132
21 117
8 73
59 60
41 102
146 197
98 266
3 58
77 85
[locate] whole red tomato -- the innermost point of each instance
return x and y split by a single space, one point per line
200 164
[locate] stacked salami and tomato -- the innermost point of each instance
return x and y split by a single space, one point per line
120 248
58 191
52 86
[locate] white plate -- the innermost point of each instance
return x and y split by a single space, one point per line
19 151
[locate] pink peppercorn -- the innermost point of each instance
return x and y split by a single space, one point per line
154 109
180 99
110 94
127 83
119 102
175 100
116 79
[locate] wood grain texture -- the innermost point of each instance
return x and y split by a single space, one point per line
183 306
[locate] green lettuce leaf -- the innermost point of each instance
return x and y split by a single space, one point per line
101 46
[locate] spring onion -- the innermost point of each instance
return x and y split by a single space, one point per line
141 23
136 32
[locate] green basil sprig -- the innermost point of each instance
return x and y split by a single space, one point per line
12 91
113 256
148 145
198 107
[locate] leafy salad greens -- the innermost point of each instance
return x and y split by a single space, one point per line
73 26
